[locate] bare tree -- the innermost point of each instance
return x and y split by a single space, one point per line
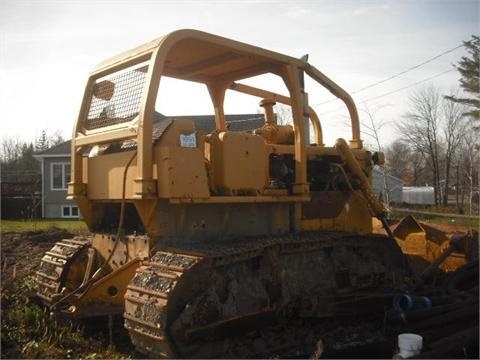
45 141
56 138
17 162
10 149
397 157
454 128
371 127
467 175
404 162
421 128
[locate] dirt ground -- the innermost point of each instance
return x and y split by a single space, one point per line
21 252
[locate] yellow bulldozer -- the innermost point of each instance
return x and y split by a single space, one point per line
194 234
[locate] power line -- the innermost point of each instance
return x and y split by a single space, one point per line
395 91
409 86
410 69
398 74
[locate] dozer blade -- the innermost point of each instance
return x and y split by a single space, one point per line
423 243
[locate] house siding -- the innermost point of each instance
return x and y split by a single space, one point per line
54 199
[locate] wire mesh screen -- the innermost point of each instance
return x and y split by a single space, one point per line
116 98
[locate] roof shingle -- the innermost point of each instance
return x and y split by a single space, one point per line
237 122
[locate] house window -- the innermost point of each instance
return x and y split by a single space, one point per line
60 176
70 211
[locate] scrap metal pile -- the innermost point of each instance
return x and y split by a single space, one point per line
442 307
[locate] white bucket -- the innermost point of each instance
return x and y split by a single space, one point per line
409 345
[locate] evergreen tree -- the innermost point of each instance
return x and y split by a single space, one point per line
27 162
42 142
23 167
469 68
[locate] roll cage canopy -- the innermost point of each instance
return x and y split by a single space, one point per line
218 63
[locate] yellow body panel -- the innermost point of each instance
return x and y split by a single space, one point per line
237 163
179 182
163 194
111 288
105 174
181 173
354 217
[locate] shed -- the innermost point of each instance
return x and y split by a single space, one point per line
421 195
394 186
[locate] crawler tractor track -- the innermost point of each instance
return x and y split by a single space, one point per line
60 269
188 297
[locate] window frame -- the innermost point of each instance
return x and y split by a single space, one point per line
70 208
64 176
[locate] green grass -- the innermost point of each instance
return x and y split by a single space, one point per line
468 222
33 225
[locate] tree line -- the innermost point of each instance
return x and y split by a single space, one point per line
17 157
439 138
438 145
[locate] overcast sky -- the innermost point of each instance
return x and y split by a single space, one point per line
47 48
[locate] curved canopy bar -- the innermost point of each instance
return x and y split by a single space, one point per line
198 56
205 58
217 61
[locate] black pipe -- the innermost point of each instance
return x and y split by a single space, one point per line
442 320
431 335
460 345
419 314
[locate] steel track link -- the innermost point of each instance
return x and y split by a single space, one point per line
146 301
171 281
54 265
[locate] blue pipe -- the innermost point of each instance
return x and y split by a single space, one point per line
405 302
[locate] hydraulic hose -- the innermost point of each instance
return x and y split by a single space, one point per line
374 203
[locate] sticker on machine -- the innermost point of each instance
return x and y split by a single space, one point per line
189 141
